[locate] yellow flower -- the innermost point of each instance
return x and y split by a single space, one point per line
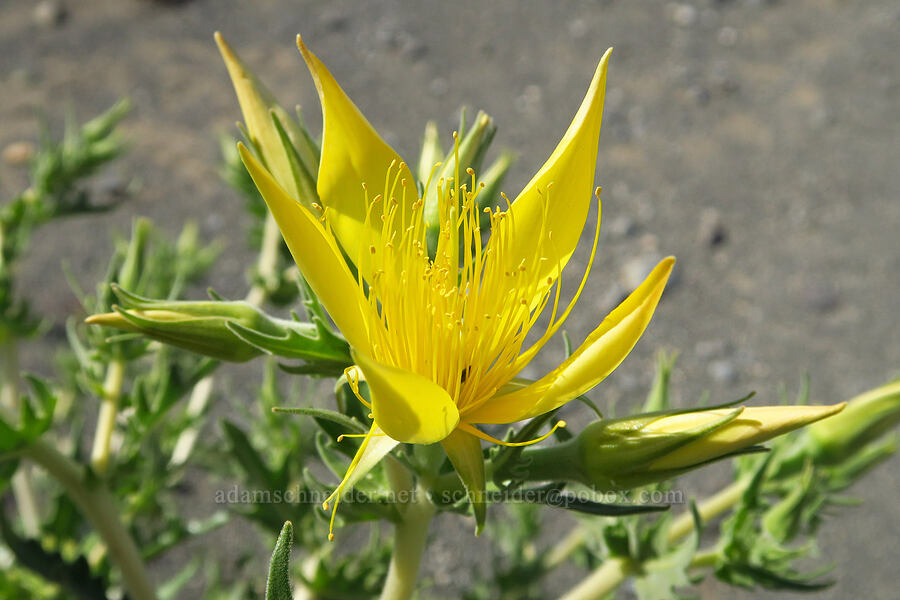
439 338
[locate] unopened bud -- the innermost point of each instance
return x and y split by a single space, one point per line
866 418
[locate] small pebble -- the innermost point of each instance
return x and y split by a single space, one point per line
711 231
18 154
335 21
578 28
438 86
49 13
820 297
699 94
727 36
634 271
684 15
708 349
529 101
722 370
623 226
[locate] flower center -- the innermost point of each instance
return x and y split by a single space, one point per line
461 317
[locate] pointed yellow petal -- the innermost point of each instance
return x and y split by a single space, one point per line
315 253
754 425
353 154
408 407
597 357
256 102
570 170
464 451
369 456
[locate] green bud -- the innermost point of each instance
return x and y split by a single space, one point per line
102 126
619 454
132 266
231 331
467 153
431 154
493 177
866 418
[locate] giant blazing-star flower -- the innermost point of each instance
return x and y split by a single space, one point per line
439 339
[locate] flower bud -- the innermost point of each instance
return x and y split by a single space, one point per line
866 418
619 454
231 331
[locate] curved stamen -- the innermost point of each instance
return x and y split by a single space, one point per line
489 438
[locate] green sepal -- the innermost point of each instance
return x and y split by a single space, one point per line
303 178
464 451
467 153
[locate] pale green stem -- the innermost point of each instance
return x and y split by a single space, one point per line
106 420
704 558
565 547
709 509
268 261
184 445
266 265
22 485
614 571
99 508
410 534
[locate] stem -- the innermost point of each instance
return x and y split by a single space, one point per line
184 445
22 485
267 262
614 571
410 534
106 420
704 558
709 509
602 581
266 265
565 547
101 511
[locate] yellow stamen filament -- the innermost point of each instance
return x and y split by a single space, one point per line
488 438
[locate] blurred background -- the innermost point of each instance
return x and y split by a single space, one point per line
755 140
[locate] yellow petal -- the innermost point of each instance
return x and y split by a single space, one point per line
353 154
597 357
256 102
570 170
753 426
464 451
408 407
315 253
369 456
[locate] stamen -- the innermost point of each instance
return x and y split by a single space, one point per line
336 494
488 438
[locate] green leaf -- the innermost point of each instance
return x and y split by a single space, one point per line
348 423
75 577
278 585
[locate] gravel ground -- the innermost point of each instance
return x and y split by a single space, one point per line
756 141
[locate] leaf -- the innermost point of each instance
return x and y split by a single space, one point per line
278 585
350 424
75 577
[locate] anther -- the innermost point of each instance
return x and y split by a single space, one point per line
330 537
